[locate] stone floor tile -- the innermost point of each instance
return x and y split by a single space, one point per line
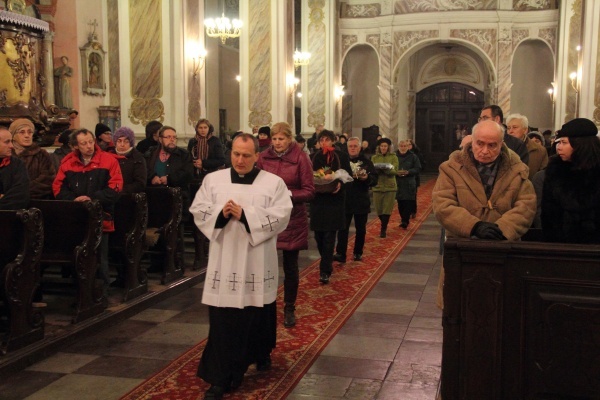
386 306
374 329
322 386
123 367
402 320
410 267
413 352
406 391
420 244
155 315
166 351
363 389
175 333
426 322
423 374
424 335
396 291
86 387
422 258
363 347
63 363
428 310
350 367
24 383
408 279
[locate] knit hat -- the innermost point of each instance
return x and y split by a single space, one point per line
538 135
126 132
578 127
20 123
264 129
384 140
101 128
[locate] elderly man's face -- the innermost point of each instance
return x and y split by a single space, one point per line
516 128
487 142
353 148
86 144
6 144
243 155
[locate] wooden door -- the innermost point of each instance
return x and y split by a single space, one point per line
444 114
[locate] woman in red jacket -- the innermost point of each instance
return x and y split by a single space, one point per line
286 159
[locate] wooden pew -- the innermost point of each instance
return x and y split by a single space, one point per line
128 241
73 231
521 320
164 213
21 241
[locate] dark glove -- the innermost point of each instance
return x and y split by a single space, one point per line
487 230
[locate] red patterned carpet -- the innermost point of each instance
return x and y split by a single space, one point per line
321 311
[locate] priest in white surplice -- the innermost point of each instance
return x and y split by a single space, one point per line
240 210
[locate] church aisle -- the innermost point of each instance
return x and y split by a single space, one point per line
389 349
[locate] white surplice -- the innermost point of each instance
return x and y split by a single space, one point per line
242 267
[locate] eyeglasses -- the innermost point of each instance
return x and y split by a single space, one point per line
484 118
169 137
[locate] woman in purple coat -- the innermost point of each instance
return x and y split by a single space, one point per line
286 159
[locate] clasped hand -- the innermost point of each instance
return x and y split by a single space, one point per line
487 230
232 209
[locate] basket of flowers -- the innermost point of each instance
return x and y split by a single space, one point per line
326 180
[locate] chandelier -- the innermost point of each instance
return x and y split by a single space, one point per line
301 58
223 28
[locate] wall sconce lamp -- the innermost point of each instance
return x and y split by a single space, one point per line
238 78
198 62
292 82
338 93
574 76
299 95
301 58
551 94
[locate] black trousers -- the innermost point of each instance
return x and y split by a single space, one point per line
291 278
360 224
325 244
405 207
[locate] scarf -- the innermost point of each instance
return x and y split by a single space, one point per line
18 148
202 147
5 162
163 155
264 142
487 173
329 153
124 153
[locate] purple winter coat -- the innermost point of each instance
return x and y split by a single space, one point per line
295 168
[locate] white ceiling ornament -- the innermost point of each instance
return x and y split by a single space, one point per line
450 67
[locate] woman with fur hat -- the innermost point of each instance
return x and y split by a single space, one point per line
571 191
384 193
39 164
131 161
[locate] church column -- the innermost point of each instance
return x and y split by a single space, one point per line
503 67
387 93
266 62
48 67
321 77
590 63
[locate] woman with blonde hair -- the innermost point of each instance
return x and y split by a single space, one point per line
287 160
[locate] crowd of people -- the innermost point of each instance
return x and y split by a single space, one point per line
258 194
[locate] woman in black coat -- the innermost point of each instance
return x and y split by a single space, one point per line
206 150
571 193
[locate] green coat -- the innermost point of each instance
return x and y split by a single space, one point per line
384 192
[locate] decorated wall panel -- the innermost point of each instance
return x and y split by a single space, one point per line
260 90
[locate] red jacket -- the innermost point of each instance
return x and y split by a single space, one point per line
295 168
100 180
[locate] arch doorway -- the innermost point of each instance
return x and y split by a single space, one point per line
444 113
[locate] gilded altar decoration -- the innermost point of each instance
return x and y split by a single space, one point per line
143 111
92 65
22 49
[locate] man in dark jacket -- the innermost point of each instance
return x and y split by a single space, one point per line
169 165
14 181
88 173
358 203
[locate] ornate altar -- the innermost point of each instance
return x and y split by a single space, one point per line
23 76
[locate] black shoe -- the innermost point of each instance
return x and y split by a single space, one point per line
404 225
357 257
214 393
289 319
382 234
324 279
413 215
264 365
339 258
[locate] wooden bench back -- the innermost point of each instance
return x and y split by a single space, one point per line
164 206
11 236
